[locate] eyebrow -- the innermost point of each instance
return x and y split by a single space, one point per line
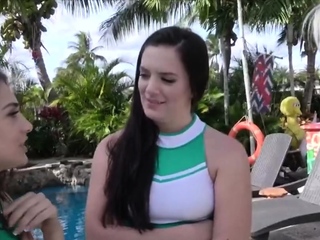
162 73
12 104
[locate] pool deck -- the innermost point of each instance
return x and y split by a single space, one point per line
310 231
55 160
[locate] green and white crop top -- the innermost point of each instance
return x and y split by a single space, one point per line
6 234
182 190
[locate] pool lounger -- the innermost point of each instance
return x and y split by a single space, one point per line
268 164
273 214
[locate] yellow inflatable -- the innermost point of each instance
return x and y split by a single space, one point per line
290 108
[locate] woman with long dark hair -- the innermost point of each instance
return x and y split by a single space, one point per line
167 175
20 216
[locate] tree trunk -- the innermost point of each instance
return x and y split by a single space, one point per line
42 71
308 91
226 34
290 44
225 68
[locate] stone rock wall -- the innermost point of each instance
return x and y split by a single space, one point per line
49 175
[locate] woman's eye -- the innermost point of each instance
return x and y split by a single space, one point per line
168 80
142 75
13 114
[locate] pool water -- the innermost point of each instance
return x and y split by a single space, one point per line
71 206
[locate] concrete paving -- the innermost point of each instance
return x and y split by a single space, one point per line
310 231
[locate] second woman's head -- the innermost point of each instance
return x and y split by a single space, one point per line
13 129
172 75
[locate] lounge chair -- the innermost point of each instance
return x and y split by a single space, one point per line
267 166
274 214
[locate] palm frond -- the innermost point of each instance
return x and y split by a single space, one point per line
270 12
85 8
282 36
127 18
143 14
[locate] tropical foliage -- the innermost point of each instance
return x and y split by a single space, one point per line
220 18
23 19
88 99
92 101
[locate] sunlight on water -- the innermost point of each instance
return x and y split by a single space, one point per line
71 206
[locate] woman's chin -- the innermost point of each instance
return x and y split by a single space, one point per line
153 115
23 161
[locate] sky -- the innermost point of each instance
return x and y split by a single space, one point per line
62 28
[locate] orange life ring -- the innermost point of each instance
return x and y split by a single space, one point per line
257 134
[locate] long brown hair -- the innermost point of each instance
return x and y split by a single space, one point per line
133 156
5 175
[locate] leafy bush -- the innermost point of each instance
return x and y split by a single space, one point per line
94 99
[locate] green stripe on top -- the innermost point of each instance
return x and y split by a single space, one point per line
175 224
194 118
179 175
181 161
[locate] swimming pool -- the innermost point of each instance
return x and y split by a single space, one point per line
71 206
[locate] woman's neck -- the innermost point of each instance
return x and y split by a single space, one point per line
175 125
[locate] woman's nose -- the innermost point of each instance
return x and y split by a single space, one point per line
153 86
28 126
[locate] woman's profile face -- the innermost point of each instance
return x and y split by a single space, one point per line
13 131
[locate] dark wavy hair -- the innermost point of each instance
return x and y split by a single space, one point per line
4 173
133 156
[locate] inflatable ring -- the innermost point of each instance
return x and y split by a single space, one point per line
257 134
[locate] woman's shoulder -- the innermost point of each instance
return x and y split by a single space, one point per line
221 149
109 139
213 137
224 154
102 149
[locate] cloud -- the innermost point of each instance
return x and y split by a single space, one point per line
62 27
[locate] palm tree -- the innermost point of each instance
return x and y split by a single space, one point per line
4 49
142 14
17 72
84 51
289 35
18 76
29 94
24 19
289 16
213 50
219 15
